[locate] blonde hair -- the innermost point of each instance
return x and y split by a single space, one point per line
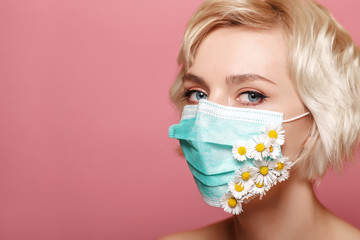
323 62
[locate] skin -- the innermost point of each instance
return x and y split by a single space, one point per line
290 210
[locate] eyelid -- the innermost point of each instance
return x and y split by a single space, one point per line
262 96
196 89
244 90
189 84
187 93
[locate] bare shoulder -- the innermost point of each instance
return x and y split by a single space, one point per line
347 231
343 230
220 230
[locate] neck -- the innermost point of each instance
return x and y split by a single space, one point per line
290 210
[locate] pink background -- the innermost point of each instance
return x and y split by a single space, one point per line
84 150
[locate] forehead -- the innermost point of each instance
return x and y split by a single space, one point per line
240 50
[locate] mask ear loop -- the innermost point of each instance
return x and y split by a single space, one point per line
296 118
293 119
293 163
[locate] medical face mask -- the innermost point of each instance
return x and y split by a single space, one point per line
233 153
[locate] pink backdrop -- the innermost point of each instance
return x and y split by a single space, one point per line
84 150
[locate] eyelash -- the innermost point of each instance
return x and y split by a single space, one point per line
261 96
185 96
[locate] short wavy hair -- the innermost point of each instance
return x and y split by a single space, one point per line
323 62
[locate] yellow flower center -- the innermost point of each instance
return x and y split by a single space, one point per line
259 185
271 148
242 150
264 170
260 147
245 176
239 187
280 166
232 202
273 134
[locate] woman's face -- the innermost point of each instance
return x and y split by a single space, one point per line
247 68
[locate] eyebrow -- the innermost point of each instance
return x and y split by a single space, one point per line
230 80
245 78
194 78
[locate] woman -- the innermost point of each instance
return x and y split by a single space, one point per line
271 88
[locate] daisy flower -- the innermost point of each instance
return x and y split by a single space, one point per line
243 176
260 149
274 150
239 188
282 168
260 189
241 150
230 204
275 132
263 172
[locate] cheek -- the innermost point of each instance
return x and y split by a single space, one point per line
296 134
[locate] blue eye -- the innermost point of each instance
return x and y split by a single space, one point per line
251 98
193 96
200 95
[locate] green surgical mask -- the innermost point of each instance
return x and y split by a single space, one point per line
221 143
